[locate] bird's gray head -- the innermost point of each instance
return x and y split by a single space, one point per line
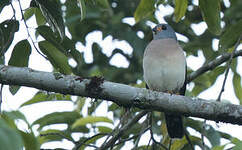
163 31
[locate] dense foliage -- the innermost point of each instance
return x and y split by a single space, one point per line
81 17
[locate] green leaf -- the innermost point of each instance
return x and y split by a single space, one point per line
40 19
44 97
57 59
144 9
57 118
21 50
179 144
237 86
231 35
14 115
104 129
219 147
30 141
82 8
14 89
212 135
51 10
8 136
180 9
3 3
7 31
51 37
51 135
238 144
28 13
91 120
211 15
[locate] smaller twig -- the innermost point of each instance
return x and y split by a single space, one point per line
26 26
122 130
79 144
112 133
148 143
189 140
14 14
212 64
202 135
152 135
170 144
228 68
134 136
1 98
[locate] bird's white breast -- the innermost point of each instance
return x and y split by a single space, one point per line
164 65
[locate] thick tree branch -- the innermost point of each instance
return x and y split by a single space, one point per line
211 65
121 94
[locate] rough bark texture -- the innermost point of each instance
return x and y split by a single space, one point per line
121 94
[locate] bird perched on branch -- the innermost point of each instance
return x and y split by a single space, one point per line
164 66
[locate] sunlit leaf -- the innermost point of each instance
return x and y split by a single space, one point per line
221 147
211 15
180 9
91 120
40 19
144 9
238 144
28 13
104 129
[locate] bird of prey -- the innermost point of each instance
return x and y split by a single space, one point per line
164 66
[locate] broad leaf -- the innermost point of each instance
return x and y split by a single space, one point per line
238 144
91 120
231 35
53 135
57 59
180 9
21 50
211 15
44 97
144 9
237 86
57 118
7 31
51 10
82 8
8 136
19 58
3 3
30 141
51 37
104 129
